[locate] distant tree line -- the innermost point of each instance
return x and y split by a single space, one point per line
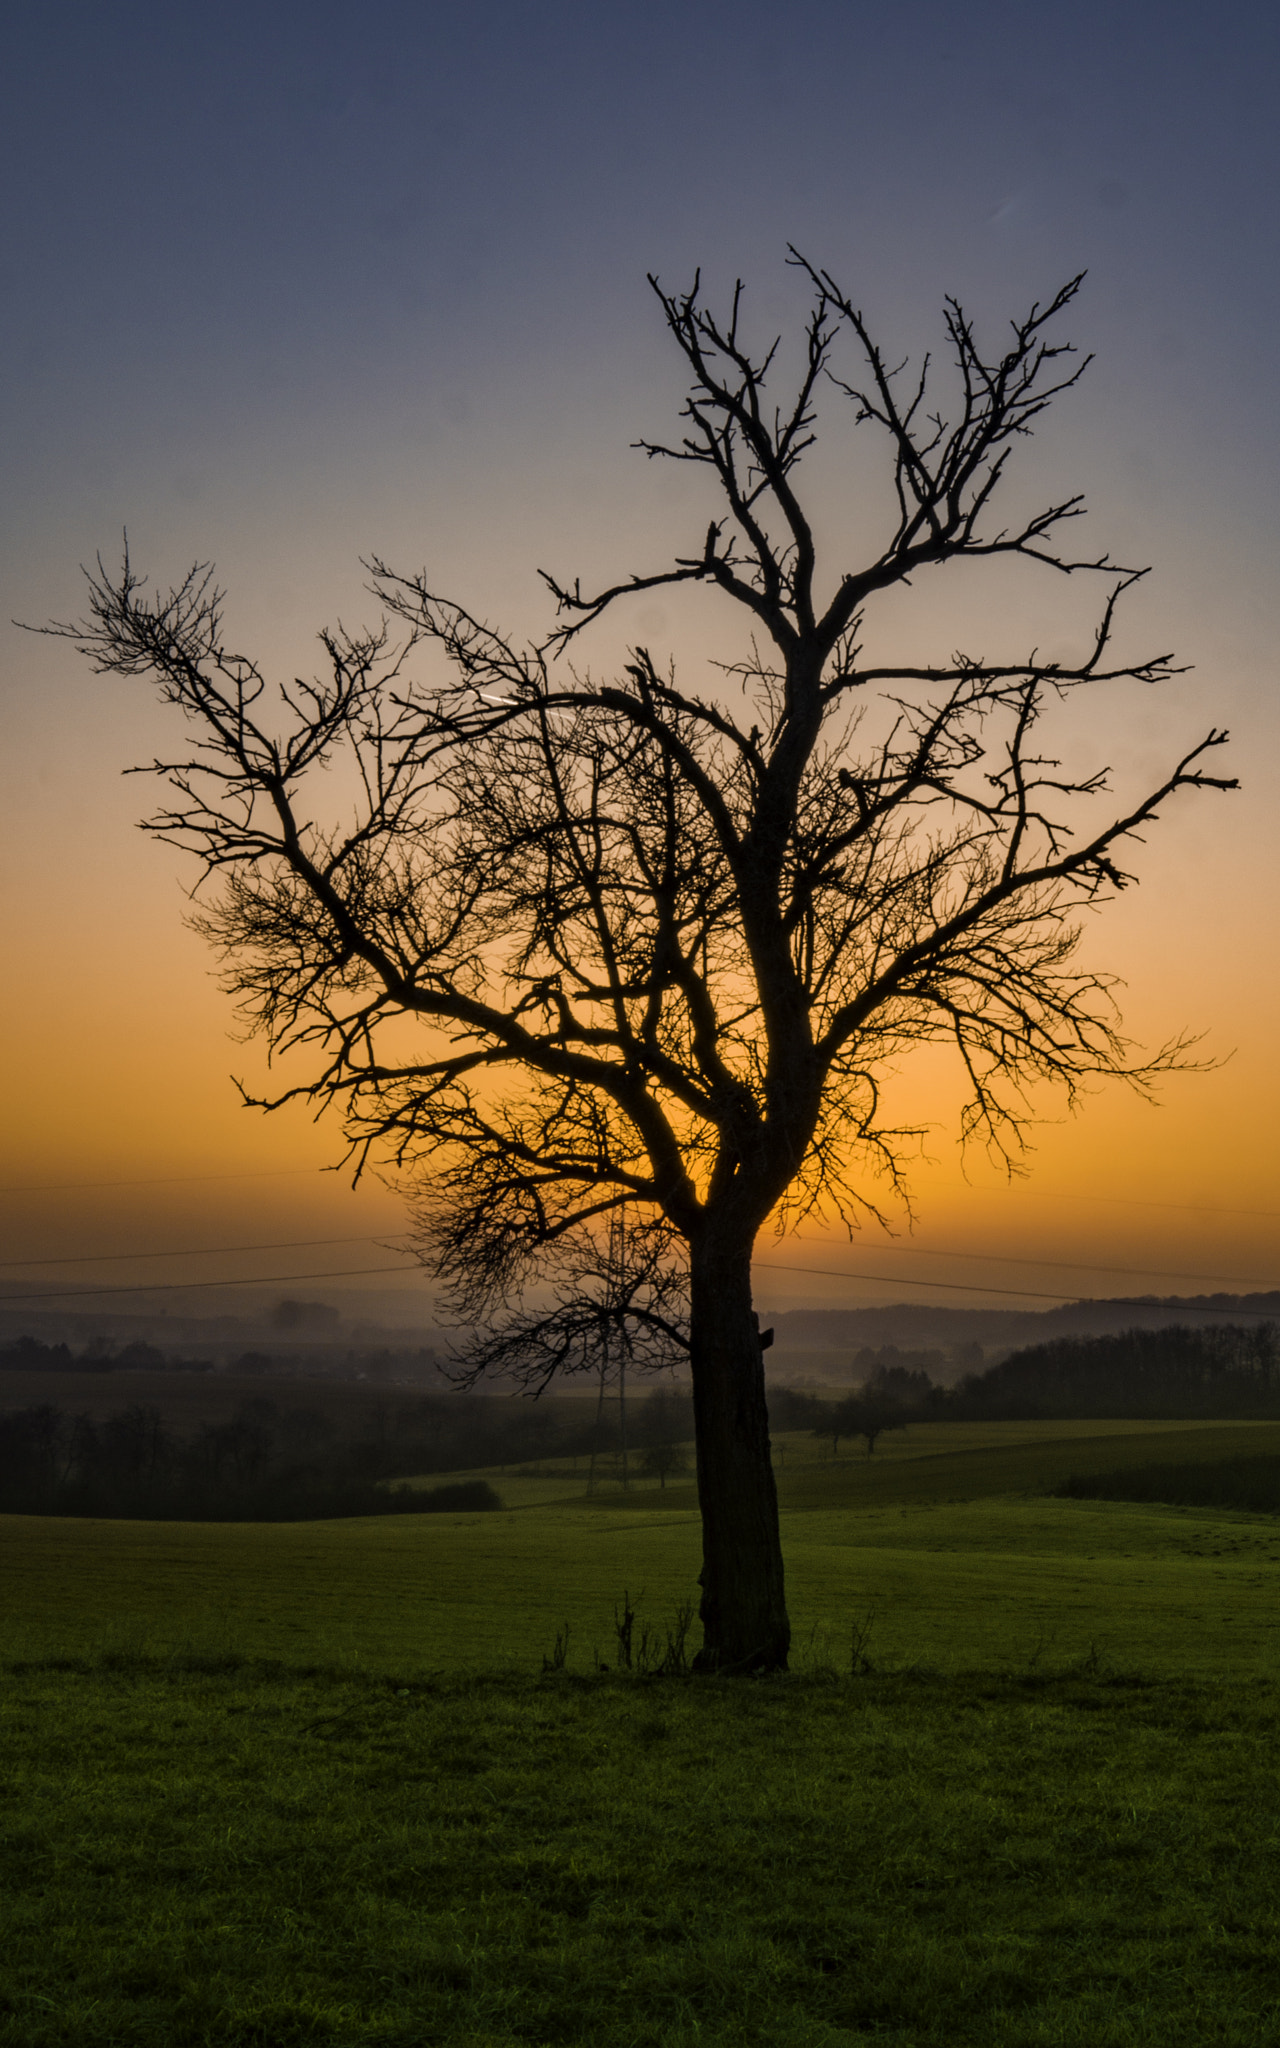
31 1354
890 1397
1174 1374
260 1464
266 1464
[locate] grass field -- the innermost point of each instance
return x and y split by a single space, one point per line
309 1783
944 1540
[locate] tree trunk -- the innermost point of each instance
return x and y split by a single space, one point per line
743 1610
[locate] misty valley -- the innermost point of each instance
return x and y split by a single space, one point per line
188 1442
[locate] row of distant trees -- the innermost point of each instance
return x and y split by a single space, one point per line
32 1354
258 1465
263 1463
1178 1373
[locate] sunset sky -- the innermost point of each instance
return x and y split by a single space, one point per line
290 285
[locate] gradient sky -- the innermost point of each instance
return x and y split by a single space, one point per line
286 285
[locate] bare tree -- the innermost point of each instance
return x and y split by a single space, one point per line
664 1426
862 1415
659 949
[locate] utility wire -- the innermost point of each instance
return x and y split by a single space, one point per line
1062 1296
1055 1266
57 1187
164 1180
208 1251
185 1286
1022 1293
385 1237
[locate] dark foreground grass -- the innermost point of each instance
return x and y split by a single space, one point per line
239 1854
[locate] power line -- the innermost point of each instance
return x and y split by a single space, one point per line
1061 1296
283 1172
204 1251
1068 1265
164 1180
382 1237
1022 1293
186 1286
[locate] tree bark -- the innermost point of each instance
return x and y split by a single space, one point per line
743 1609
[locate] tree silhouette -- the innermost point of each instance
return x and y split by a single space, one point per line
661 943
663 1426
866 1415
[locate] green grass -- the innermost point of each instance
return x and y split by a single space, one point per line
307 1783
1163 1590
958 1566
967 1460
258 1856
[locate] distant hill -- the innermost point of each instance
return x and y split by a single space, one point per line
821 1342
818 1344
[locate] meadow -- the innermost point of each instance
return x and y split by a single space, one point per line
383 1781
